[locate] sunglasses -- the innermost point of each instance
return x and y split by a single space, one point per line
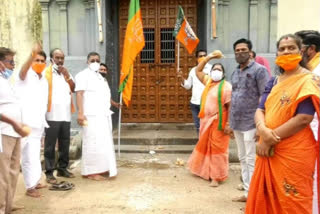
92 61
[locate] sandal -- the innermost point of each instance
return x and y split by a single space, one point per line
62 186
67 183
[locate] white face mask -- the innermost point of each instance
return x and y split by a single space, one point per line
55 66
94 66
216 75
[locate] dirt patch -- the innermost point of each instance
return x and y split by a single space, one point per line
138 189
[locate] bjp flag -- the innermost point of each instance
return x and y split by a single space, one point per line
133 44
184 33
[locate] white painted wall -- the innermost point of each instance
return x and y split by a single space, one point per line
295 15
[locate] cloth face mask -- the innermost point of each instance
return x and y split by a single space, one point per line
288 62
94 66
216 75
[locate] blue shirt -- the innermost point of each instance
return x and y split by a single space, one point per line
247 87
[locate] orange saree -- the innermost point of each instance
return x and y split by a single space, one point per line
209 158
283 183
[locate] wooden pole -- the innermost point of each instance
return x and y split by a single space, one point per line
213 19
99 21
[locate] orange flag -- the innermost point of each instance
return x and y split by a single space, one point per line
184 33
133 44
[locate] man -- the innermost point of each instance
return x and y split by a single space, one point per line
311 49
94 102
33 95
197 87
311 56
10 155
60 107
248 83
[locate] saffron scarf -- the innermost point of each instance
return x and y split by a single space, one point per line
48 74
204 95
314 62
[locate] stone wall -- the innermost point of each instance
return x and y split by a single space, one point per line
20 27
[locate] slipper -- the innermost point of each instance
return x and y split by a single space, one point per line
67 183
62 186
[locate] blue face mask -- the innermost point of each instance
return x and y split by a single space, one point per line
7 73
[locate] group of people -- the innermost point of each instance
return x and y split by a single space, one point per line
38 102
274 121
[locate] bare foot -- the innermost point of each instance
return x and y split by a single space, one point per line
41 186
240 187
240 199
214 183
17 207
96 177
33 193
105 174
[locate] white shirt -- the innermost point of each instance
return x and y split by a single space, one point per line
9 106
33 96
97 96
194 82
61 99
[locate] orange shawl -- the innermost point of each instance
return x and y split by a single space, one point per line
283 183
209 158
314 62
48 74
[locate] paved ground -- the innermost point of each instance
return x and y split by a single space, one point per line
145 184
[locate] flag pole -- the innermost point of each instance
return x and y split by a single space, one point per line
119 124
178 62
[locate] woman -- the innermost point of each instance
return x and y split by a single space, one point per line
287 151
209 158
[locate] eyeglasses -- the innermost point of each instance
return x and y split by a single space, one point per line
11 62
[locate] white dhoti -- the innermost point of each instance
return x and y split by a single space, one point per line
98 154
30 158
315 127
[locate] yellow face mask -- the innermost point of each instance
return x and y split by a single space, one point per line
288 62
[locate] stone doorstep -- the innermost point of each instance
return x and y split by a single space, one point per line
156 137
157 126
170 149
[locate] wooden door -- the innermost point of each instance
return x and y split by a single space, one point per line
157 95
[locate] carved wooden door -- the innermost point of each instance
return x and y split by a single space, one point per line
157 95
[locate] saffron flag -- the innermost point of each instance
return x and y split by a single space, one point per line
133 44
184 33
